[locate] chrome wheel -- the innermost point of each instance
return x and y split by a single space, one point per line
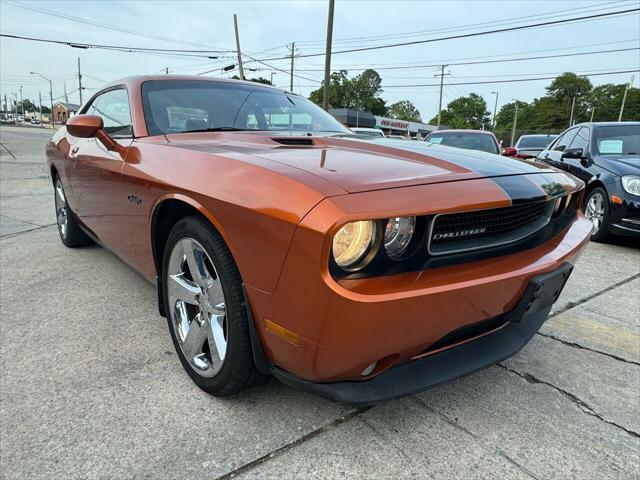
61 209
595 210
197 307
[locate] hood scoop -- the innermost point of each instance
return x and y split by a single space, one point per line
295 141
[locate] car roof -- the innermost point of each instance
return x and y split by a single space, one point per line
603 124
539 135
135 81
462 130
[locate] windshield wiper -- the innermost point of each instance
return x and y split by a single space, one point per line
220 129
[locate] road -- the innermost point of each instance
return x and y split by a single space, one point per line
91 387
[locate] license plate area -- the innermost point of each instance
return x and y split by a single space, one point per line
542 292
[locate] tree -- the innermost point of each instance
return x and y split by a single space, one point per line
27 106
404 110
362 91
465 112
256 80
607 99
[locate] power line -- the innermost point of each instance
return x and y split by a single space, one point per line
515 80
83 45
470 35
591 8
86 21
505 60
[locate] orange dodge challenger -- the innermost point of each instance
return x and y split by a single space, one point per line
280 243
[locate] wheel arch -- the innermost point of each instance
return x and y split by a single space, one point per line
592 185
170 209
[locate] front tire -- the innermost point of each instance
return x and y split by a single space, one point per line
70 232
596 208
206 311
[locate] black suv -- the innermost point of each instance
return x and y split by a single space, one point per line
606 156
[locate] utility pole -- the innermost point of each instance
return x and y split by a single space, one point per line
327 57
40 103
593 109
442 67
293 49
5 106
66 97
272 74
495 110
21 104
235 26
79 81
166 70
624 97
515 122
573 106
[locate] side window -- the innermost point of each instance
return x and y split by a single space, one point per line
565 140
113 107
581 140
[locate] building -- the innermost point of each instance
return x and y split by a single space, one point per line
351 117
64 111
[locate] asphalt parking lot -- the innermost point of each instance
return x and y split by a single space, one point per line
91 387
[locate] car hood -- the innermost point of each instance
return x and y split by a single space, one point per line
619 164
358 165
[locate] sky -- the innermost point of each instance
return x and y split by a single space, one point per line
267 28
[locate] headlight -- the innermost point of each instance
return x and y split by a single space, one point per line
631 184
397 236
352 243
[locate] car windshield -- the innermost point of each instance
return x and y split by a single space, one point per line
468 140
617 140
180 106
535 142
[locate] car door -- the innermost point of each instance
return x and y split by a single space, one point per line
100 192
580 166
553 155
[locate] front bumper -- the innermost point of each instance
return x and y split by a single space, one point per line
624 218
518 326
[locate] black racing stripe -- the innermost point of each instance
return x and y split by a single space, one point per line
521 188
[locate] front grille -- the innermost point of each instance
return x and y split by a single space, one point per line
464 231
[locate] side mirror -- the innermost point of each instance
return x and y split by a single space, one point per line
509 151
574 153
84 126
90 126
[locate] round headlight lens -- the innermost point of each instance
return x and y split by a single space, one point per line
352 243
397 236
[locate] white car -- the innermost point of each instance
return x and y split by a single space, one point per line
369 132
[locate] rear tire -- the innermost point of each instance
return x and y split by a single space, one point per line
205 308
70 232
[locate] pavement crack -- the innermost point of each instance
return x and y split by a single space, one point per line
386 440
495 449
571 305
285 448
8 151
11 235
581 404
582 347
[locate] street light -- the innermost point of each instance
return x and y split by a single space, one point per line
495 109
515 122
53 123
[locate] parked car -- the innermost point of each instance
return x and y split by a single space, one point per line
470 139
398 137
606 156
529 146
35 121
282 244
368 132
